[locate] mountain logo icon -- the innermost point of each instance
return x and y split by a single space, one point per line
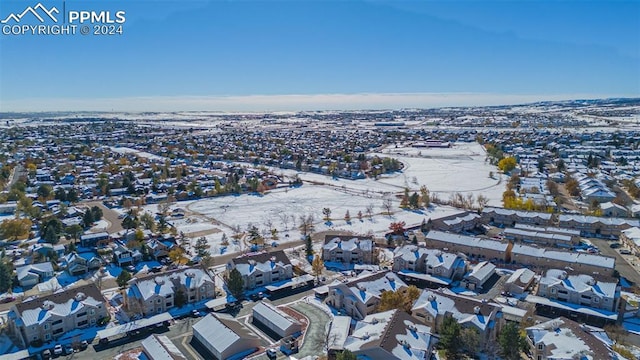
39 11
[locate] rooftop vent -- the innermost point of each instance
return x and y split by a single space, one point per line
412 327
252 262
476 310
159 280
365 336
48 305
273 259
80 296
390 277
431 297
361 287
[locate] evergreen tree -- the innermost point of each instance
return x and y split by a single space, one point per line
87 219
309 245
511 341
346 355
6 275
235 284
202 247
450 338
123 278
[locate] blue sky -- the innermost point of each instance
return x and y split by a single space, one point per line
207 52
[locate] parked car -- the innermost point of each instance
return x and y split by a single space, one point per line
615 245
57 350
625 251
46 354
68 349
131 268
84 345
195 313
271 353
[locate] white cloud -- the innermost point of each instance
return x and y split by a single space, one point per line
282 102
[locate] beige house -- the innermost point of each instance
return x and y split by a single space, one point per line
579 289
351 250
361 296
49 317
262 269
156 294
433 306
441 267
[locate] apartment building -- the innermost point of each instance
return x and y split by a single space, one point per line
631 239
414 261
156 294
579 289
350 250
476 248
579 262
361 296
262 269
507 217
49 317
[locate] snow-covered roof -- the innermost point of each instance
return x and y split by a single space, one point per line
579 283
220 334
463 309
565 256
275 315
566 339
349 244
160 347
163 285
467 240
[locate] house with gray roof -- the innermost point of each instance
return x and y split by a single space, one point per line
29 275
155 294
519 281
478 276
262 269
361 296
392 334
350 250
224 337
49 317
430 265
579 289
562 338
433 306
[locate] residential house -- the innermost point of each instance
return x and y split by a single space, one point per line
579 289
351 250
124 256
593 226
433 306
74 264
8 208
631 239
562 338
428 265
262 269
95 239
32 274
155 294
159 249
392 334
49 317
610 209
361 296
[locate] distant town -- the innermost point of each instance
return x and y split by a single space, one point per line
503 232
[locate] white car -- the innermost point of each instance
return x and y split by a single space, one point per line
57 350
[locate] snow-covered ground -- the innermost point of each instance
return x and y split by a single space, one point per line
100 225
461 168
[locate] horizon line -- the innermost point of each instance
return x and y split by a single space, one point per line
289 102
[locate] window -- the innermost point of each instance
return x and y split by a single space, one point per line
47 336
540 346
159 301
159 310
92 311
169 304
81 314
82 323
59 321
553 290
46 326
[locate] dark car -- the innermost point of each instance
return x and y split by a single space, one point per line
46 354
271 354
615 245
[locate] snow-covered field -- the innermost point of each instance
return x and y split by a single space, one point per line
461 168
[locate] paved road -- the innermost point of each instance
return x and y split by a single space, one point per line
622 265
109 215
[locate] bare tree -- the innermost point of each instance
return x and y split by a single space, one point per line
387 205
306 224
482 202
284 219
369 210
